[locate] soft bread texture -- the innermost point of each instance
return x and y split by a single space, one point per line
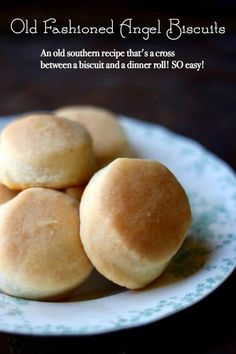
134 218
42 151
6 194
109 139
41 255
75 192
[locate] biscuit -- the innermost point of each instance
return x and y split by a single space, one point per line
43 151
41 255
134 217
109 139
6 194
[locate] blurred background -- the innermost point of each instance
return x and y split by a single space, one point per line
200 105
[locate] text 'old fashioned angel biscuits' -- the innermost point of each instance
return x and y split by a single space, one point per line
134 217
41 255
109 139
43 151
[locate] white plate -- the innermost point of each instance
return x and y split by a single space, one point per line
206 259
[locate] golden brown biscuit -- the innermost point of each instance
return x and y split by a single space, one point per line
109 139
6 194
75 192
134 217
43 151
41 255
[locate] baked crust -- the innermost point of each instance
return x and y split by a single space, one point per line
109 139
42 151
134 217
41 255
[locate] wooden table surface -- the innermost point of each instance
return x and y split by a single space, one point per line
200 105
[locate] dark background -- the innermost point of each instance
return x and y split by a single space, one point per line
200 105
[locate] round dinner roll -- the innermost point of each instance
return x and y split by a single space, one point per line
41 255
75 192
134 217
6 194
41 150
109 139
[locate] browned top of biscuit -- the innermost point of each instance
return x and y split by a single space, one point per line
108 137
38 135
146 204
40 247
